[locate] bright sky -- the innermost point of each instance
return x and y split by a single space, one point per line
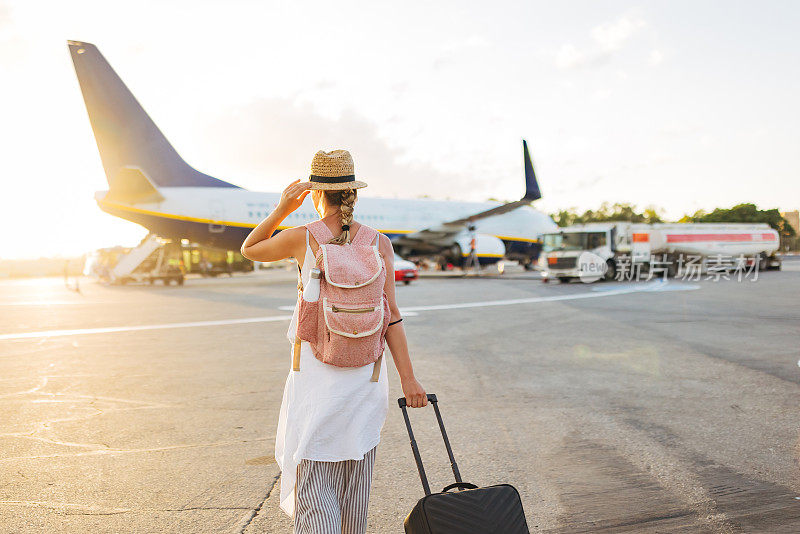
685 105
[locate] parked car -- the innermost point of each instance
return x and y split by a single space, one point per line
404 270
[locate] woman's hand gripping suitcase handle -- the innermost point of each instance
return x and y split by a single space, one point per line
415 396
403 401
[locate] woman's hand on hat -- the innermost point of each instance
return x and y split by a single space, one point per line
293 196
414 393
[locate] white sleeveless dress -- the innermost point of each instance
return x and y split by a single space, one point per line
328 413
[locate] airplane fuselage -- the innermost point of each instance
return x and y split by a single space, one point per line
223 217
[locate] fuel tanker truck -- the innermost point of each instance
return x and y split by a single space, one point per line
643 248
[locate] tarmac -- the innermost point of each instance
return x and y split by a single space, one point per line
612 407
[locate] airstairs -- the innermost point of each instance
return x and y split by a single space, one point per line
128 263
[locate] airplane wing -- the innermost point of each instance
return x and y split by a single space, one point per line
446 231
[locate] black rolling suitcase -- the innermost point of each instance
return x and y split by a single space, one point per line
470 510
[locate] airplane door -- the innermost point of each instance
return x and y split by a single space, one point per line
217 211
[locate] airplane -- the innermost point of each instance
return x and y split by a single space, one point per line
150 184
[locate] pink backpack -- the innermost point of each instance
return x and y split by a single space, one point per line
347 325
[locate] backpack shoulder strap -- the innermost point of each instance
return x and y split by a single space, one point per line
366 235
320 232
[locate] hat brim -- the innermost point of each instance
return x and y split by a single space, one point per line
339 185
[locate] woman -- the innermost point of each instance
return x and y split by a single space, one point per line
331 417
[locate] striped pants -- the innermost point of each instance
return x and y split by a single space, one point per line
332 497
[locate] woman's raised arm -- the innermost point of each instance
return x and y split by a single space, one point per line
259 245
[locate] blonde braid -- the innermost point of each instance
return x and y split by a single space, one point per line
346 199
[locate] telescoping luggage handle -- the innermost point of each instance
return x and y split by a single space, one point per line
458 484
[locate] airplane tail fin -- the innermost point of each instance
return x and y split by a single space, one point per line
129 142
532 191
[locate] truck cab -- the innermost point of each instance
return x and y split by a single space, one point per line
561 250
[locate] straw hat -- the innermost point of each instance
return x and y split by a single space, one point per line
333 170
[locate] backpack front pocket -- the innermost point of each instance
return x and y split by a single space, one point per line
353 320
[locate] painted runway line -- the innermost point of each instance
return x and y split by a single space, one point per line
410 311
643 288
105 330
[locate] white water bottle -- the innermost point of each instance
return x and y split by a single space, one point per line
311 291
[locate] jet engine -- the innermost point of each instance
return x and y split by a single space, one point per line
489 248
